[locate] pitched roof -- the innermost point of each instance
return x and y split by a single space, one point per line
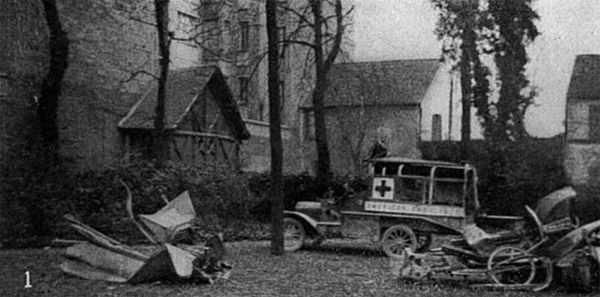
397 82
183 88
585 79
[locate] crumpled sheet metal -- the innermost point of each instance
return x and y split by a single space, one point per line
93 262
103 258
176 216
555 205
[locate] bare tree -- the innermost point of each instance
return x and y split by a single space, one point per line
51 87
322 33
160 148
139 12
275 131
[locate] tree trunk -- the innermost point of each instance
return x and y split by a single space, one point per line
276 192
323 161
51 87
160 148
468 50
322 66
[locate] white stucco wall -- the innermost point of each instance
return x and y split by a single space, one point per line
437 101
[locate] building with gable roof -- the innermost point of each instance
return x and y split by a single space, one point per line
113 39
202 118
582 152
370 101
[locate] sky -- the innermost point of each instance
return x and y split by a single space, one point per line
403 29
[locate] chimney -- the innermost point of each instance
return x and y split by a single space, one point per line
436 128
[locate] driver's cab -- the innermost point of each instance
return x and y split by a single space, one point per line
422 187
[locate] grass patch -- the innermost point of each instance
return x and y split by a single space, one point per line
338 268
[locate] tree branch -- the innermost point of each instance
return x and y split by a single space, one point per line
338 36
137 73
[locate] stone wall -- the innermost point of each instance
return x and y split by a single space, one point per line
110 40
23 58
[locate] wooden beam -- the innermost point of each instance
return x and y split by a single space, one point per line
223 150
206 135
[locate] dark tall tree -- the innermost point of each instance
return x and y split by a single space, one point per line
51 87
276 192
514 22
160 147
322 66
503 29
322 32
458 26
323 63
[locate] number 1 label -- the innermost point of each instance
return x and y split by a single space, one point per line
27 280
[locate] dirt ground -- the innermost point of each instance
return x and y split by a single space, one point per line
337 268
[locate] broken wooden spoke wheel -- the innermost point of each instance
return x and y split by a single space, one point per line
511 265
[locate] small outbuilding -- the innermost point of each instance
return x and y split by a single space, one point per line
370 104
582 153
202 118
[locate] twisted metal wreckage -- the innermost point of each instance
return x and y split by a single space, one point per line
548 244
103 258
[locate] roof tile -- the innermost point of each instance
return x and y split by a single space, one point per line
380 83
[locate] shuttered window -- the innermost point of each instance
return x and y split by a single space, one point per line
594 123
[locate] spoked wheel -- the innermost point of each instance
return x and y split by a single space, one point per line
423 241
293 235
396 238
511 265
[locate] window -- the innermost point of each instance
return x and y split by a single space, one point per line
3 84
594 123
261 111
185 25
281 97
309 125
282 9
212 33
412 189
281 35
244 36
243 91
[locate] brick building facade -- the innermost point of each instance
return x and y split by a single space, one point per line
111 40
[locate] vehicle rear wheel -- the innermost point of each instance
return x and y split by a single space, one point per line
293 235
396 238
509 265
423 241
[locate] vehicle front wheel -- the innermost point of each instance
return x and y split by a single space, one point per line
293 235
396 238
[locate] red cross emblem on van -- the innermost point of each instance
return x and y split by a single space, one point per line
383 188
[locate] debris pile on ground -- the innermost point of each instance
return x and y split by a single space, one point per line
551 247
103 258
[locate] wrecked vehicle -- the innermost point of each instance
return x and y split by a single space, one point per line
550 245
103 258
410 200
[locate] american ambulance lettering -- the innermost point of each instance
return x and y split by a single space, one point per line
432 210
